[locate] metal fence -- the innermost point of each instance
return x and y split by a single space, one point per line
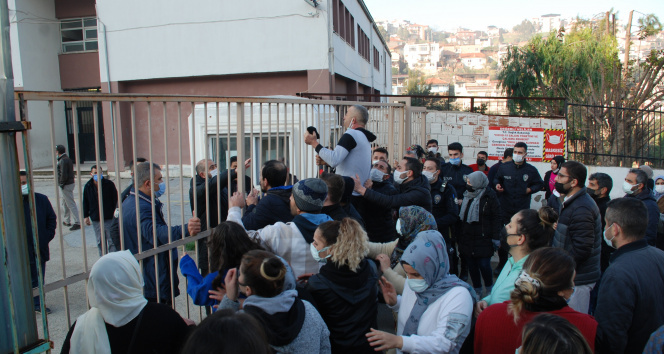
615 136
177 131
535 107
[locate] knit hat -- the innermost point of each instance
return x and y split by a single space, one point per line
309 194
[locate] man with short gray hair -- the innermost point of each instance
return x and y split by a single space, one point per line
352 155
635 187
148 185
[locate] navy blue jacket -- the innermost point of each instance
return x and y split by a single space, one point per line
653 214
579 232
492 173
273 207
445 210
515 180
415 192
455 175
147 242
46 224
377 219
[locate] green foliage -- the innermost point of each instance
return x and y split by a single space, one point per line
383 32
649 25
403 33
524 31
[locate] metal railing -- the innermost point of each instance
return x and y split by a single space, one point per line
533 107
176 132
615 136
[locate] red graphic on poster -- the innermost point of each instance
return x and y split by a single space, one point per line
554 143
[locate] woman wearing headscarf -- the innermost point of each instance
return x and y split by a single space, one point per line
434 312
412 220
545 285
658 193
550 176
120 319
480 216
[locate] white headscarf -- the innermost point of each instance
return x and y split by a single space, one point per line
115 293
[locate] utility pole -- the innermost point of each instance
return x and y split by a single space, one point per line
608 24
628 40
18 329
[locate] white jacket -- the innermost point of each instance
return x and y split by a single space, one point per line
443 326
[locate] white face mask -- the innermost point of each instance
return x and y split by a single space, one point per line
429 175
608 242
659 188
316 253
24 189
374 162
518 158
398 227
352 121
214 172
627 188
417 285
397 176
376 175
433 149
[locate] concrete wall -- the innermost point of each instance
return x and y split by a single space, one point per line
472 129
35 46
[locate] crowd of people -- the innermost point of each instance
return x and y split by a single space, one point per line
304 266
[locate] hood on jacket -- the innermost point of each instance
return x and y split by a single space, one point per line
353 287
281 327
370 136
308 223
283 193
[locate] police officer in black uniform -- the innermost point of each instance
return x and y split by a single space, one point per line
445 209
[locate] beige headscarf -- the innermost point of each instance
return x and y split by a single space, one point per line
115 293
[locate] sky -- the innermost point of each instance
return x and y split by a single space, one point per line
478 14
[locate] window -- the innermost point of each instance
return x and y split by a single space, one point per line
376 58
343 23
79 34
363 44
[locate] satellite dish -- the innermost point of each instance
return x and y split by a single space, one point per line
313 3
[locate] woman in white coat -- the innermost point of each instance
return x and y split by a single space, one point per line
435 308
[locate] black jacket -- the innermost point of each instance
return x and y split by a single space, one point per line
125 192
347 301
444 209
629 303
109 196
579 232
606 250
415 192
545 184
378 220
492 173
653 214
515 180
335 211
273 207
455 175
46 224
215 195
65 170
476 237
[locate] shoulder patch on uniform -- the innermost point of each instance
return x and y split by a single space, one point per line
525 178
437 199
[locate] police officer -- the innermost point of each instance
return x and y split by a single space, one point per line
515 182
445 209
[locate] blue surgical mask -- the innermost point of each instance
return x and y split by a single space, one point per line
608 242
95 176
376 175
25 189
456 161
161 191
417 285
571 296
316 253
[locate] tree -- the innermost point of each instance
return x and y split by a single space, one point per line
383 32
583 66
403 33
525 30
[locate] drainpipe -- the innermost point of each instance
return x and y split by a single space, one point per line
108 82
19 327
330 47
371 67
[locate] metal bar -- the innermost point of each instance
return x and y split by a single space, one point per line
181 179
168 202
77 151
152 206
118 178
100 196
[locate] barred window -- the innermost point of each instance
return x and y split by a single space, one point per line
79 34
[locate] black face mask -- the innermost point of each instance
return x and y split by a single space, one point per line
593 192
469 188
481 162
560 188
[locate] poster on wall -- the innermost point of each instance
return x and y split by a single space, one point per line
501 138
554 144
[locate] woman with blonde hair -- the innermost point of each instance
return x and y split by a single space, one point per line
545 285
345 290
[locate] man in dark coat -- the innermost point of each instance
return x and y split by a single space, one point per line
444 207
157 287
507 157
599 188
92 214
67 183
46 225
130 187
629 304
378 220
635 187
275 204
579 231
413 188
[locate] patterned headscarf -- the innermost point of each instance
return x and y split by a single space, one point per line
428 256
414 219
418 151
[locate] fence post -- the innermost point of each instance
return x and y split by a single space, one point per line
472 104
19 328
